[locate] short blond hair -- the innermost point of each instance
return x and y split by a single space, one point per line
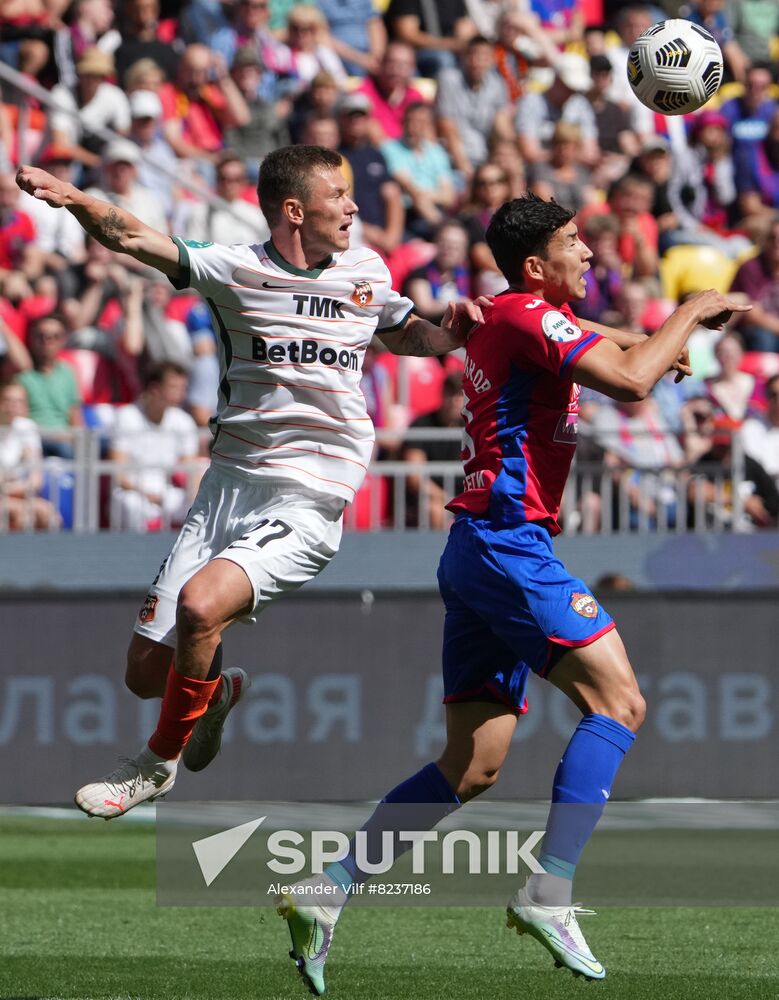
306 15
137 75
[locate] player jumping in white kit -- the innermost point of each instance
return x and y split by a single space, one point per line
292 438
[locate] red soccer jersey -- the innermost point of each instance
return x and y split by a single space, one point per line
16 233
521 409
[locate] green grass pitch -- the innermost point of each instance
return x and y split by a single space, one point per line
78 920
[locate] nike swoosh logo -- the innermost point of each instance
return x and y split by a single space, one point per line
275 288
595 966
315 941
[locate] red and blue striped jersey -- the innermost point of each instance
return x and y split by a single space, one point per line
521 410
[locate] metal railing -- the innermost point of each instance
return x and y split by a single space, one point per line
91 493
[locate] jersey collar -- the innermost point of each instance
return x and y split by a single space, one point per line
285 265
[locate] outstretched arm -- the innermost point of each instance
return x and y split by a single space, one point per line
625 340
113 227
632 374
419 338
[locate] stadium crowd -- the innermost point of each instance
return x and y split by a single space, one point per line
442 110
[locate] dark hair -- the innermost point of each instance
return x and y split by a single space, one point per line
522 228
156 374
450 223
415 106
477 40
36 323
226 156
600 64
766 67
630 179
286 173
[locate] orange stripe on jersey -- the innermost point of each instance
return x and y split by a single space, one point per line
287 465
357 263
313 388
307 427
295 413
313 319
300 279
367 305
287 447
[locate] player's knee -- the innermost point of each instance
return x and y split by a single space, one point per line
196 612
629 710
636 711
476 782
139 683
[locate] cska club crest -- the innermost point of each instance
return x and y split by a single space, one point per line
362 294
584 605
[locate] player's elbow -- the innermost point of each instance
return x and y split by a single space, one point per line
638 392
633 385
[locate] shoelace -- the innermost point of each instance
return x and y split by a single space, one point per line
577 909
115 788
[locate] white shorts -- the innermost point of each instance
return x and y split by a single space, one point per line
279 533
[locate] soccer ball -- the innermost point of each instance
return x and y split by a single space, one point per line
675 67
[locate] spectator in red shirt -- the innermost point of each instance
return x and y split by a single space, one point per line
17 234
390 91
201 104
630 201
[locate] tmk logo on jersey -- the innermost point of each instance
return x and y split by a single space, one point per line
304 352
319 306
584 605
558 327
362 294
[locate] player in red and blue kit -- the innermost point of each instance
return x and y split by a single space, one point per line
511 606
521 409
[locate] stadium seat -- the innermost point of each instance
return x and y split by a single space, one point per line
407 258
370 509
425 381
761 364
58 487
686 269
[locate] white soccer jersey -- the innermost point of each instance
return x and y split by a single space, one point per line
292 344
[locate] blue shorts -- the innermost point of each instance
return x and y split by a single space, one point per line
511 607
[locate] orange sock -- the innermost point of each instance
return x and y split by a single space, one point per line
185 700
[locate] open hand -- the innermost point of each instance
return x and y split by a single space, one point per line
461 318
715 309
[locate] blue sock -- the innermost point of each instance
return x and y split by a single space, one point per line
582 785
428 790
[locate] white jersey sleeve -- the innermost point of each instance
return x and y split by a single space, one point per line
395 312
206 267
